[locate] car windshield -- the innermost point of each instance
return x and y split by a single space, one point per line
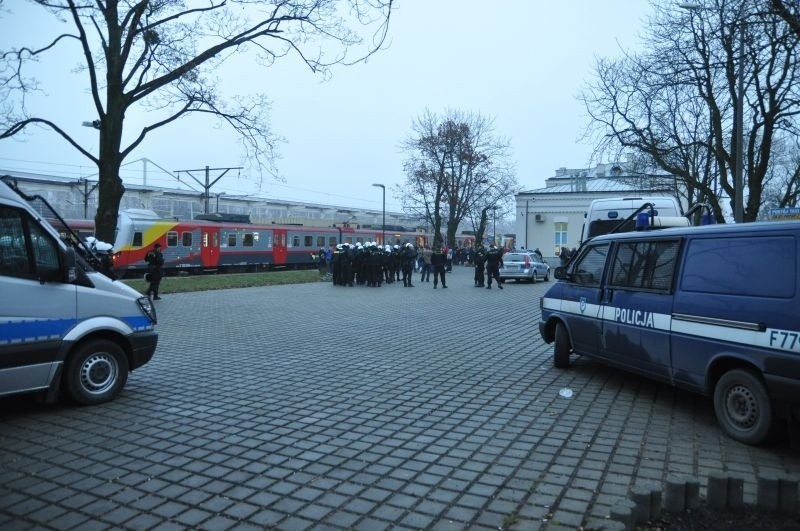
514 257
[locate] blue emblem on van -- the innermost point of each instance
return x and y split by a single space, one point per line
583 304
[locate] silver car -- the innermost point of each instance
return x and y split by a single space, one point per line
524 266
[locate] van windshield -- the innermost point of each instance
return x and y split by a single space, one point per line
604 226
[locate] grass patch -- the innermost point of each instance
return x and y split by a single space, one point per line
184 284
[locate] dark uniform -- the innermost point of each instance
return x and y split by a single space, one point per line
438 263
494 259
480 266
155 261
409 255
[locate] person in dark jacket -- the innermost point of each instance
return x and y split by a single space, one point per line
409 255
438 263
494 260
480 266
155 261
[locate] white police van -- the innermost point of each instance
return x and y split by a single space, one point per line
605 214
63 325
712 309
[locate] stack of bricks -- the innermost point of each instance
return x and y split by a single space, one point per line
724 492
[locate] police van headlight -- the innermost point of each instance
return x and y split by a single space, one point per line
147 308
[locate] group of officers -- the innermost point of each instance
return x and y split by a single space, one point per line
370 264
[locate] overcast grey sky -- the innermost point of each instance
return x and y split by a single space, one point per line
519 62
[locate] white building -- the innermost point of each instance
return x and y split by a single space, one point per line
551 218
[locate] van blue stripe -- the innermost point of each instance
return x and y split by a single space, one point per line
34 330
27 331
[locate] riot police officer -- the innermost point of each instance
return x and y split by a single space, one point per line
494 260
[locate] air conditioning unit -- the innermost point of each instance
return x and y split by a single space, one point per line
539 217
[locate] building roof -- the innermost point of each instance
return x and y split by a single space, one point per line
589 184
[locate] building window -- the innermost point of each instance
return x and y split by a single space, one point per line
560 236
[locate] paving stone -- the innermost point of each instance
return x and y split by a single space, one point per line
242 417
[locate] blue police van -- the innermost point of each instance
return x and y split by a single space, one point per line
713 309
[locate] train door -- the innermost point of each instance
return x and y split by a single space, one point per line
279 246
209 247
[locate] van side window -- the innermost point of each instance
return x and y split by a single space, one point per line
45 253
13 255
588 268
758 263
644 265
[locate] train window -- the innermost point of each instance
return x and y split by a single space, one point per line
360 239
215 240
187 239
232 239
295 241
320 241
332 240
308 241
349 239
247 239
255 238
172 239
137 239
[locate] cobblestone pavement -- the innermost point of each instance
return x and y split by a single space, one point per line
321 407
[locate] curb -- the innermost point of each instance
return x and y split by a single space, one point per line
775 492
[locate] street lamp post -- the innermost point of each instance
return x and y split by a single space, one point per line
383 225
494 225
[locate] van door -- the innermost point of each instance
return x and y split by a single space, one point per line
33 325
638 306
582 298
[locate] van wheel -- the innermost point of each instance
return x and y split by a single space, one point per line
742 406
562 347
96 372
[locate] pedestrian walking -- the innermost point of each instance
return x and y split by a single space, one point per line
155 262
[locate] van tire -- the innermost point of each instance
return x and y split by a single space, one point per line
96 372
562 347
742 406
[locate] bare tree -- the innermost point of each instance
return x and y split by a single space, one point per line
789 12
456 167
674 104
160 58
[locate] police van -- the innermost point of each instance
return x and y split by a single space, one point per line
64 326
712 309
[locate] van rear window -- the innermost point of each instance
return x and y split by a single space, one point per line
756 267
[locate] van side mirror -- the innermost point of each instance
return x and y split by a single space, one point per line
69 270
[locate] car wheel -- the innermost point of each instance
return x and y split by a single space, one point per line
96 372
562 347
547 276
742 406
534 278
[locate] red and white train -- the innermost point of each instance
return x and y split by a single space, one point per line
231 243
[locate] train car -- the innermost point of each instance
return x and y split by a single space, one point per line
230 243
84 228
